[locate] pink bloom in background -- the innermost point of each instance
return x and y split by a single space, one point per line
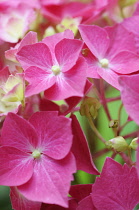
11 91
105 60
56 12
116 188
54 66
30 38
36 158
130 95
13 25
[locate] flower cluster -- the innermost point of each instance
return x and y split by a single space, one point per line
59 59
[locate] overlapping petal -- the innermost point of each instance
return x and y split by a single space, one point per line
55 176
54 133
96 39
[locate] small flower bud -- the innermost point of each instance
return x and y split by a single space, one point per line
113 124
90 105
118 143
133 144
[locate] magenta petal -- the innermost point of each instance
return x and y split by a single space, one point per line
18 133
37 55
16 167
86 204
54 132
125 62
39 80
81 150
67 52
117 187
130 95
96 39
80 191
70 83
55 176
20 202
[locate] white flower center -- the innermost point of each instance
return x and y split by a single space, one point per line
36 154
56 69
104 63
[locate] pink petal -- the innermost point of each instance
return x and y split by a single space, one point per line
39 80
73 101
86 204
16 167
117 187
51 41
67 52
18 133
127 43
70 83
55 176
109 76
132 24
54 132
30 38
130 95
37 55
80 149
92 62
125 62
20 202
96 39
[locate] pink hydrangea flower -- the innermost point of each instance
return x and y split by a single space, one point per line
36 157
110 56
54 66
116 188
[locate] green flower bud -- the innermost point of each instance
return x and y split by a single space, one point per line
118 144
90 105
113 124
133 144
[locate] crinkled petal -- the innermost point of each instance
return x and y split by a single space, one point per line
106 194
